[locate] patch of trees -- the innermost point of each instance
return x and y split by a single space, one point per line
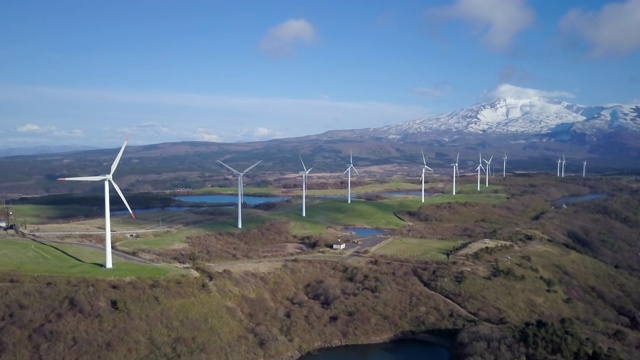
539 340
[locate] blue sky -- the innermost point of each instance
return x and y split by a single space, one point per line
94 72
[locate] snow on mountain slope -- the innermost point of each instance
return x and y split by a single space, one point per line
524 116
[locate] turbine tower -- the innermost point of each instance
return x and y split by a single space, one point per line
559 161
348 171
455 171
584 168
563 161
240 188
304 174
107 207
478 170
425 167
487 171
504 165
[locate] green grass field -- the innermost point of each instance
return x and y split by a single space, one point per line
426 249
18 255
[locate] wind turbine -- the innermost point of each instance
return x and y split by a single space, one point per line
425 167
455 170
304 174
107 208
348 171
584 168
240 188
487 171
504 165
478 169
563 165
559 161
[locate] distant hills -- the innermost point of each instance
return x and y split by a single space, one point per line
533 133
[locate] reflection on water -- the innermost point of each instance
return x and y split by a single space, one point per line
396 350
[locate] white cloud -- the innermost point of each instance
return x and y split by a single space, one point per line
206 134
282 39
34 129
437 90
260 133
511 91
499 21
614 29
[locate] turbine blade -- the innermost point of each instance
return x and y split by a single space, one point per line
84 178
308 171
251 167
229 167
117 160
304 167
423 158
422 177
115 186
457 158
350 157
426 167
354 169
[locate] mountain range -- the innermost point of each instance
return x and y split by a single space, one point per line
533 132
518 117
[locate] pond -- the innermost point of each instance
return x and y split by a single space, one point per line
577 198
364 232
226 199
395 350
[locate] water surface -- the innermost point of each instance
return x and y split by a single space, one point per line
364 231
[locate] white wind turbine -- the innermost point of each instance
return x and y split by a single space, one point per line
425 167
455 171
240 188
504 165
563 165
487 171
304 174
107 208
478 170
348 171
584 168
559 161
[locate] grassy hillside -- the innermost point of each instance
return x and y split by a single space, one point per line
502 273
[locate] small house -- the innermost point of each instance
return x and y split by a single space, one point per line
339 245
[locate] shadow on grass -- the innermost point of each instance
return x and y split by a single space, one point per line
55 248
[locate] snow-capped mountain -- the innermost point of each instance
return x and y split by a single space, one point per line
523 116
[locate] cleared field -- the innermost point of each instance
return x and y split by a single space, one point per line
17 255
417 248
360 213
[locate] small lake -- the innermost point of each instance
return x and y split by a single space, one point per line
395 350
364 232
225 199
578 198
